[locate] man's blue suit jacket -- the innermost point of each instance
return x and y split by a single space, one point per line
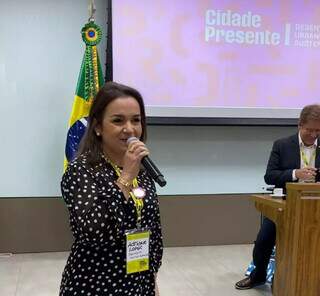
284 158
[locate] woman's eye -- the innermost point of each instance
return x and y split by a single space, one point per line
137 120
116 120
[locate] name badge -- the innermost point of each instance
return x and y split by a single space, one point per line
137 250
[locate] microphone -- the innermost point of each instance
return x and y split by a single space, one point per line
270 188
150 167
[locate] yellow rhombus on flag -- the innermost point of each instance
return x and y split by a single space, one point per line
89 82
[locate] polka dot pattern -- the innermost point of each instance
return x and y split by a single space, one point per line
99 217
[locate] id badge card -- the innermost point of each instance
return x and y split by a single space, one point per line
137 242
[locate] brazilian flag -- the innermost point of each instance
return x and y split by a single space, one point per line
89 82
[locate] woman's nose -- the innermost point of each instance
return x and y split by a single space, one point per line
128 128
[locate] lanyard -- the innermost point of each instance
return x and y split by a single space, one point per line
305 161
138 202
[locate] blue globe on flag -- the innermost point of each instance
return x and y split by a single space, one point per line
74 136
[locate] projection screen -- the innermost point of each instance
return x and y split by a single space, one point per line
219 59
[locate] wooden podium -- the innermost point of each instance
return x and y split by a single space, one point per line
298 238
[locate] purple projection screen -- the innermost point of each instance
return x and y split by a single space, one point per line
197 58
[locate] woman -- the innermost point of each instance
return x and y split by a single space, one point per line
112 203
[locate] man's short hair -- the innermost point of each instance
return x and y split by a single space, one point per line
309 112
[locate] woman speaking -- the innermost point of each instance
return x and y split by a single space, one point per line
112 203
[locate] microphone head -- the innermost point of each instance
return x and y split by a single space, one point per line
132 139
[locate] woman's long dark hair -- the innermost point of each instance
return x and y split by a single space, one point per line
91 144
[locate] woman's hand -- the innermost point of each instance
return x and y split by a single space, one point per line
132 160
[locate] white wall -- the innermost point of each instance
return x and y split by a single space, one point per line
41 50
208 160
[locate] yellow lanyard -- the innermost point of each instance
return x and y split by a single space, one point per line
138 202
304 157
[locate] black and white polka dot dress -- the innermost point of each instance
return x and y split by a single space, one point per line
99 217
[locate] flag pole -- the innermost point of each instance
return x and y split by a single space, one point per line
92 10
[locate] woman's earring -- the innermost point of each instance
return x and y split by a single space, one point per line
98 134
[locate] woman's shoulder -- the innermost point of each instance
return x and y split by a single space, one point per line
78 162
82 163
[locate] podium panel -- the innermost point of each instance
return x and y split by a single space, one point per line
297 222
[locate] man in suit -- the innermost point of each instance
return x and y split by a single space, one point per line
292 159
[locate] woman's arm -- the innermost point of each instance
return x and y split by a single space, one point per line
95 213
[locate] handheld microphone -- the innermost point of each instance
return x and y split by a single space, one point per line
150 167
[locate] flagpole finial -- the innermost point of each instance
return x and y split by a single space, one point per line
92 10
